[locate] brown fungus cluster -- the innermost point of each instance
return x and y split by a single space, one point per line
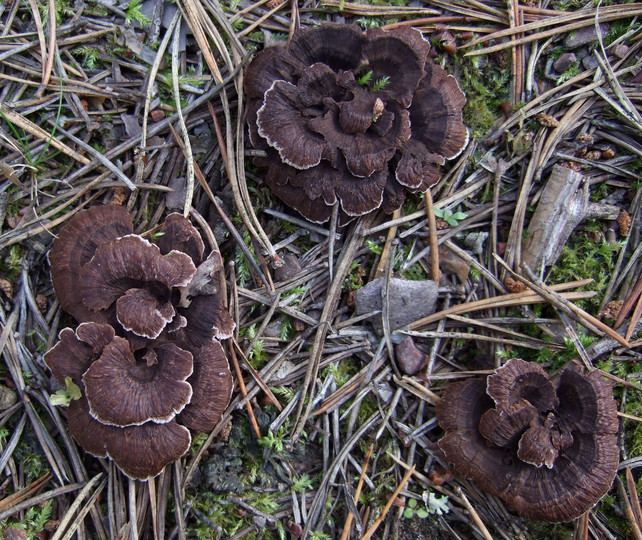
546 445
351 116
146 355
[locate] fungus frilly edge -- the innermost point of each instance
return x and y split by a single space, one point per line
544 444
353 117
146 355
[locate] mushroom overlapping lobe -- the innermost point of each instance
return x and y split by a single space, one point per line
545 445
358 118
129 274
146 355
141 452
124 391
76 245
112 427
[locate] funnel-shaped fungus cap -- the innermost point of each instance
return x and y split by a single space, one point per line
352 117
141 452
402 53
123 391
157 369
337 45
133 275
132 401
435 113
545 445
76 351
74 247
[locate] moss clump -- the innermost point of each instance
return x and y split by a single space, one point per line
486 85
583 259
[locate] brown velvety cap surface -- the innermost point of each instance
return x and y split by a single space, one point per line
337 45
368 151
123 391
125 262
402 52
178 234
152 367
212 384
436 113
545 445
207 319
141 452
75 351
75 245
351 116
125 266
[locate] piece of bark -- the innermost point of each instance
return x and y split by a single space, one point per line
564 203
561 207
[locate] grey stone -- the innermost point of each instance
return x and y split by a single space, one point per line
564 62
584 36
8 397
589 62
475 242
407 301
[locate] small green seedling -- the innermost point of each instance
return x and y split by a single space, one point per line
64 397
433 505
364 80
412 510
89 55
449 217
133 12
379 84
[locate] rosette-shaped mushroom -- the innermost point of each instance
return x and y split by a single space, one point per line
131 276
157 369
103 273
352 117
545 445
128 406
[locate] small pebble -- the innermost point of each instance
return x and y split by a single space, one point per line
408 301
564 62
584 36
621 50
410 359
41 302
8 397
589 62
157 115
